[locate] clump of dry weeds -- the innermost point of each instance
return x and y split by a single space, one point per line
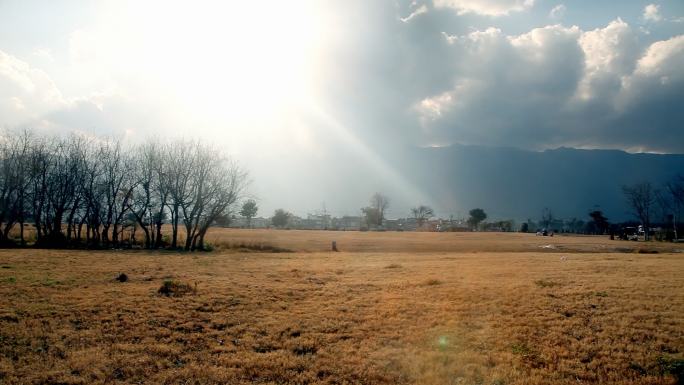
546 283
171 288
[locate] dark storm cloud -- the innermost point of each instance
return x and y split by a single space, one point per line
407 80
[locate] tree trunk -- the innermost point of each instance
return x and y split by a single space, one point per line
174 225
115 234
21 232
158 236
104 238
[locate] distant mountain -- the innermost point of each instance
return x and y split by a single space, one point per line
518 184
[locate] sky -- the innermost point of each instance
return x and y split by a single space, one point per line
318 99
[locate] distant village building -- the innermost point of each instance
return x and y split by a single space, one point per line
356 223
346 223
256 223
316 222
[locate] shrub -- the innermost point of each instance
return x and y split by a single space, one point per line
172 288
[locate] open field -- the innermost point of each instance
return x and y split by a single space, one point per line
413 308
421 242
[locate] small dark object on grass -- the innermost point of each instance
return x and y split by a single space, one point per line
122 277
334 246
176 289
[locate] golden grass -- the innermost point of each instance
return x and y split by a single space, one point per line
421 242
414 316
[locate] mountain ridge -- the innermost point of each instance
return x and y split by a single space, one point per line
514 183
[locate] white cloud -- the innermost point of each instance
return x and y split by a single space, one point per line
486 7
431 108
560 86
419 11
609 53
652 13
44 54
557 12
26 93
502 82
662 57
30 98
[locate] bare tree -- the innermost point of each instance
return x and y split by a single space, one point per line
199 190
67 183
641 197
180 164
93 197
141 202
162 190
226 184
421 214
671 201
546 218
375 213
116 184
14 183
61 186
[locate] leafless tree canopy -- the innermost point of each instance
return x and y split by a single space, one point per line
641 198
375 213
546 218
422 213
80 191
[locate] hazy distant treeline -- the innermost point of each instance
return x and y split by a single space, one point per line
83 191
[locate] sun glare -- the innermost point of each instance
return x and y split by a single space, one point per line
234 63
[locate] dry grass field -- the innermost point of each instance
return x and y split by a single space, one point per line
390 308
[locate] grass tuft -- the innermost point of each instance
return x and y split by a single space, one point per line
10 280
393 266
172 288
546 283
302 350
